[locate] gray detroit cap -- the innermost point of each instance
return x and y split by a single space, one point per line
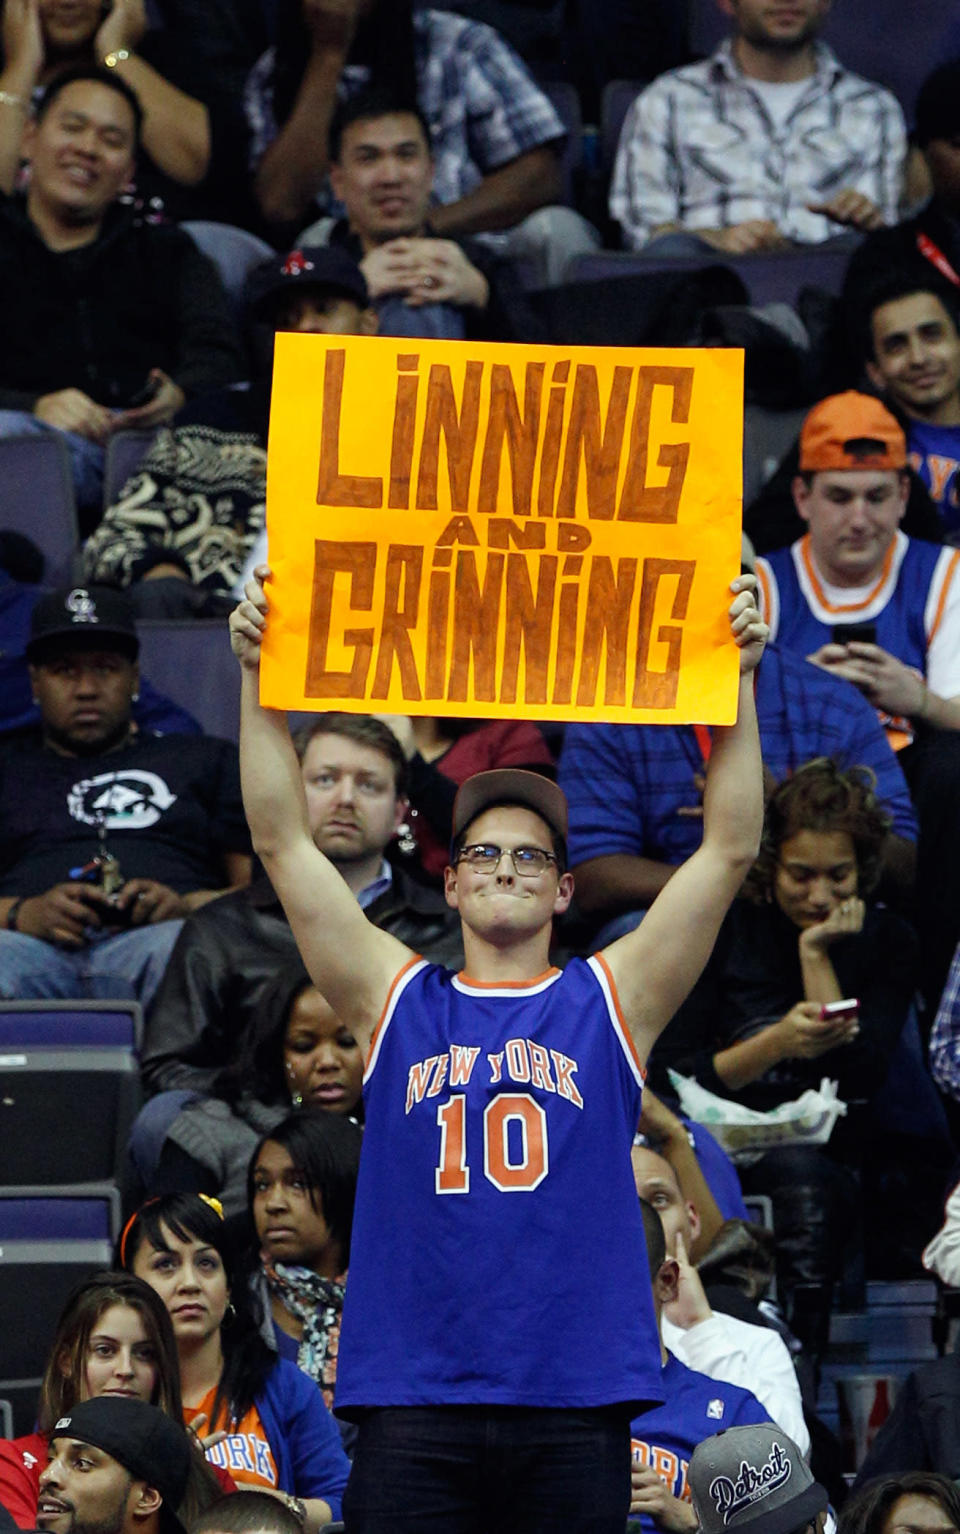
753 1478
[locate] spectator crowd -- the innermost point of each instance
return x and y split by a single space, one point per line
419 1230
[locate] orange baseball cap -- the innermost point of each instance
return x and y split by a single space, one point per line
851 431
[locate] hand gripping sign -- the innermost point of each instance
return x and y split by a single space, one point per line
503 531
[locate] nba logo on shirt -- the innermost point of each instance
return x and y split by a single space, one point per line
715 1408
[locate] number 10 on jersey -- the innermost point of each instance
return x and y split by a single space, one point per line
514 1162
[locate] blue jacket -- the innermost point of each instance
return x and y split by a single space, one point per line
303 1437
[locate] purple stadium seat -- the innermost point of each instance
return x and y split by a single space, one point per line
617 99
45 1215
124 452
37 500
768 278
193 664
76 1024
49 1239
234 252
566 102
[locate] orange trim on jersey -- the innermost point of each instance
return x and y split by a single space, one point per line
844 607
414 958
763 581
507 985
620 1017
951 572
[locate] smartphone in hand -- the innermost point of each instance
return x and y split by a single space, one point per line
839 1011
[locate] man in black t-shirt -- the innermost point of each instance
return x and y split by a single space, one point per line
109 836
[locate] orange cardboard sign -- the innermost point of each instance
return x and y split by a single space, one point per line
503 531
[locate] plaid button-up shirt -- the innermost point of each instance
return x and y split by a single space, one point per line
480 101
700 149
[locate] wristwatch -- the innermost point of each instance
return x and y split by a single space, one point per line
297 1507
115 57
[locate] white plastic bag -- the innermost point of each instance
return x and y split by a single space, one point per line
745 1133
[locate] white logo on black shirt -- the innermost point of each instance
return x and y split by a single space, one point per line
128 800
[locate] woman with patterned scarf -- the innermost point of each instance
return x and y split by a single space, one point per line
301 1186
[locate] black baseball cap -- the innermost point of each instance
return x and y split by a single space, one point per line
510 785
313 266
141 1438
89 617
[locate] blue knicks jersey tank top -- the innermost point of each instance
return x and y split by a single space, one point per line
801 618
498 1254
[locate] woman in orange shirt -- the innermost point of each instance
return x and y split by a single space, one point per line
275 1431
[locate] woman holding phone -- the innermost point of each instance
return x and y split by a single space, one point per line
808 979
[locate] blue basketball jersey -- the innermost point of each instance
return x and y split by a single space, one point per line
498 1254
904 603
801 617
695 1407
934 452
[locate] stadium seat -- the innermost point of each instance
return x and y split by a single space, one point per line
193 664
70 1023
20 1397
49 1238
616 101
768 436
65 1112
566 101
233 252
768 279
124 451
38 500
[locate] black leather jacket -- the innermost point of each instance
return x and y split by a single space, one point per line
229 953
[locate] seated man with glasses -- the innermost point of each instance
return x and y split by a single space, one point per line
495 1207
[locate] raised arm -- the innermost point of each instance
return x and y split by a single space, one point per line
22 40
655 967
349 960
293 167
176 127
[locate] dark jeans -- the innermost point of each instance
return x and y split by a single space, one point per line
476 1469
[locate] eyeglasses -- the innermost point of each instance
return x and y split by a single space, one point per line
528 862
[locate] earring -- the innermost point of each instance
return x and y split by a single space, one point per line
297 1099
406 841
230 1314
135 698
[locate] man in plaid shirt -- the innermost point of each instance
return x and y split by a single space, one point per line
768 143
495 137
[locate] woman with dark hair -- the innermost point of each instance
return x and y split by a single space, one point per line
301 1188
277 1433
903 1504
754 1029
113 1338
298 1054
41 39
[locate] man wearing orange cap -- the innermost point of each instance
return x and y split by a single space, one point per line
855 595
881 610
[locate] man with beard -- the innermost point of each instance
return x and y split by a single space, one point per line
116 1467
109 835
768 143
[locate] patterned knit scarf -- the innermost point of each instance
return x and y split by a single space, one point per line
318 1304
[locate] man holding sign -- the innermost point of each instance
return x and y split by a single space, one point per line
500 1110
